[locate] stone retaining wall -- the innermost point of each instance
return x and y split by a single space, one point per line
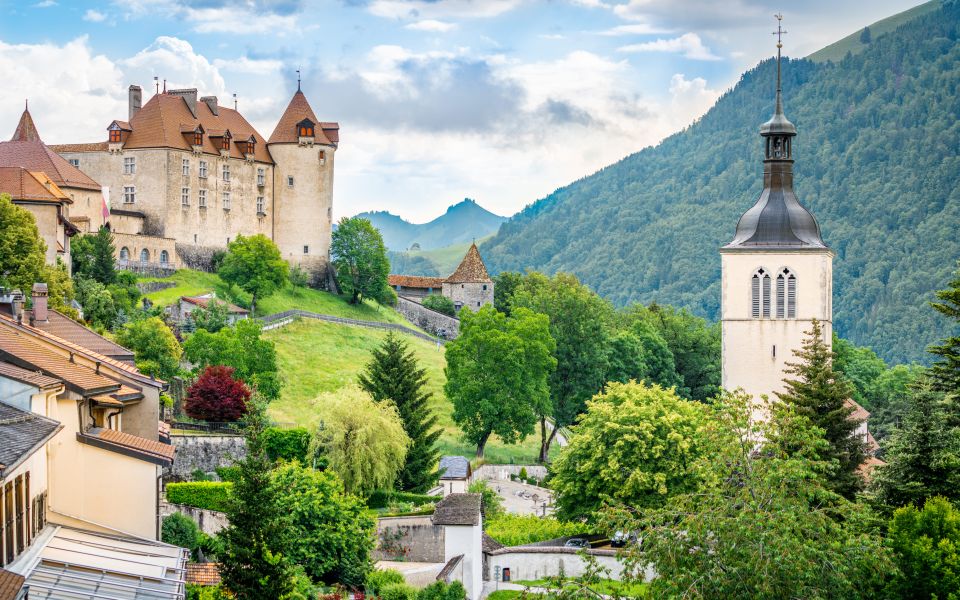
209 521
503 472
427 319
204 452
412 539
147 287
528 562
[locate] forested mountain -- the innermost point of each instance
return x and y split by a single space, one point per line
877 162
463 222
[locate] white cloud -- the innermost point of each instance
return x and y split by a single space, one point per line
688 44
701 14
431 25
233 19
45 4
173 59
552 36
94 16
633 29
689 98
440 9
252 66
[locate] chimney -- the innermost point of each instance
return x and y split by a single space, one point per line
135 94
211 102
190 96
40 303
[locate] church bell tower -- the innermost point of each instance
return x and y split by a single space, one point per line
777 273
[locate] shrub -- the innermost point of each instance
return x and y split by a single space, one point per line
230 473
442 591
439 303
180 530
384 498
517 530
456 591
209 495
380 578
492 503
398 591
287 444
523 473
199 475
926 546
206 592
217 396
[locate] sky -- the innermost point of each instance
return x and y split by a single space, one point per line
501 101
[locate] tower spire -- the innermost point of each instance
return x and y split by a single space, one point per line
779 33
298 79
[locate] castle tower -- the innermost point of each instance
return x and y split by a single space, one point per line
303 149
470 285
777 273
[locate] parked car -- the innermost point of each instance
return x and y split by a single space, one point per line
622 538
577 543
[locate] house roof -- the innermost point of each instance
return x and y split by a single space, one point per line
23 433
299 109
88 147
471 269
35 378
26 150
859 413
10 584
33 186
204 301
490 545
458 509
415 281
203 573
66 328
454 467
132 445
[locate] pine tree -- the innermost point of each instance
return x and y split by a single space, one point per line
923 456
946 371
253 564
820 393
393 374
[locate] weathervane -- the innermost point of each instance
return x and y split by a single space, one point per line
298 79
779 33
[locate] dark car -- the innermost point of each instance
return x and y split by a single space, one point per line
622 538
577 543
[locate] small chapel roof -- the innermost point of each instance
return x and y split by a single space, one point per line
471 269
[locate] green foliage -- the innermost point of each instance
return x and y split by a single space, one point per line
206 592
363 440
926 547
254 265
92 256
380 578
253 358
517 530
180 530
287 444
636 445
946 370
504 286
213 318
230 473
820 394
209 495
874 131
497 374
299 277
456 591
22 250
59 288
393 375
398 591
99 309
360 259
441 304
491 502
155 349
333 533
760 524
695 347
384 498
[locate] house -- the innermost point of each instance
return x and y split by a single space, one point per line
469 285
187 304
462 521
455 474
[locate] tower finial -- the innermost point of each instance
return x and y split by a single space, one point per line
26 104
298 79
779 33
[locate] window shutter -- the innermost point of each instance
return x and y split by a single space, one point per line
792 297
755 296
781 304
766 296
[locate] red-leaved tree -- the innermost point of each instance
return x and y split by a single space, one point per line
217 396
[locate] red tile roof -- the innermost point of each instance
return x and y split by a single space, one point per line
27 151
471 269
148 448
414 281
23 184
67 329
26 131
298 110
88 147
859 413
29 377
203 573
204 302
10 584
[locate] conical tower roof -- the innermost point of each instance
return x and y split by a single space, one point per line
298 110
471 269
26 150
26 131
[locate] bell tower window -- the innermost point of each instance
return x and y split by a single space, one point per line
786 295
760 295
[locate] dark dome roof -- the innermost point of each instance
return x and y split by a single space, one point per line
777 220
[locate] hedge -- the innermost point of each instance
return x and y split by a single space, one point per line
384 498
287 444
231 473
209 495
517 530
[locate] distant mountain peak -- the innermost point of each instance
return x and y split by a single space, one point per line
462 222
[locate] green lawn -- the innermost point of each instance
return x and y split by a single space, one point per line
317 357
602 586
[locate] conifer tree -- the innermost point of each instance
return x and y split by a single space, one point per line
820 393
393 374
923 456
946 371
253 564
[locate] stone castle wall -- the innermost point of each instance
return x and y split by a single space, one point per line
428 320
204 452
414 539
470 295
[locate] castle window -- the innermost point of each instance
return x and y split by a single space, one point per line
760 294
185 168
323 157
289 180
185 196
261 177
203 169
129 194
226 172
202 198
226 200
124 254
484 287
164 257
225 144
305 128
260 205
144 255
114 136
129 165
306 249
198 138
75 162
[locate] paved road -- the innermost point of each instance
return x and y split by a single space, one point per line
516 504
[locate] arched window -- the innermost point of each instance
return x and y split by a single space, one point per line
760 294
786 295
124 253
144 255
164 257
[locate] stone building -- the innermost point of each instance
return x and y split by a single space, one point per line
184 176
469 285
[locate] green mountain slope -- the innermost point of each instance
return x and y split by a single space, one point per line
852 43
462 223
878 163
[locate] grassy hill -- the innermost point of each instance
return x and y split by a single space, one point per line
438 262
317 357
837 50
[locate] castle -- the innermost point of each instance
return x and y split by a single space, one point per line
183 175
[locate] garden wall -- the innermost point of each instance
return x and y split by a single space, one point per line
414 539
531 562
210 521
503 472
429 320
204 452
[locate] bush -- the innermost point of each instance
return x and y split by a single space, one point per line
443 591
180 530
439 303
217 396
209 495
228 473
517 530
206 592
287 444
523 473
456 591
199 475
926 546
492 503
398 591
384 498
380 578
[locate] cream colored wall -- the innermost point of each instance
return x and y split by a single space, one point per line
48 225
86 203
153 244
755 350
303 214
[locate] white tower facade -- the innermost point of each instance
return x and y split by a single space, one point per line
777 273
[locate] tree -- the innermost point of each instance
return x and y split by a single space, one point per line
241 347
946 370
333 532
254 265
97 302
491 503
579 324
635 445
661 367
393 375
180 530
254 564
440 303
625 358
497 374
922 456
504 285
60 290
155 348
92 256
865 36
860 365
820 393
360 259
213 318
759 523
363 441
217 396
926 546
22 251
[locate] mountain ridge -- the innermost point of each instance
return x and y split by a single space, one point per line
461 222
